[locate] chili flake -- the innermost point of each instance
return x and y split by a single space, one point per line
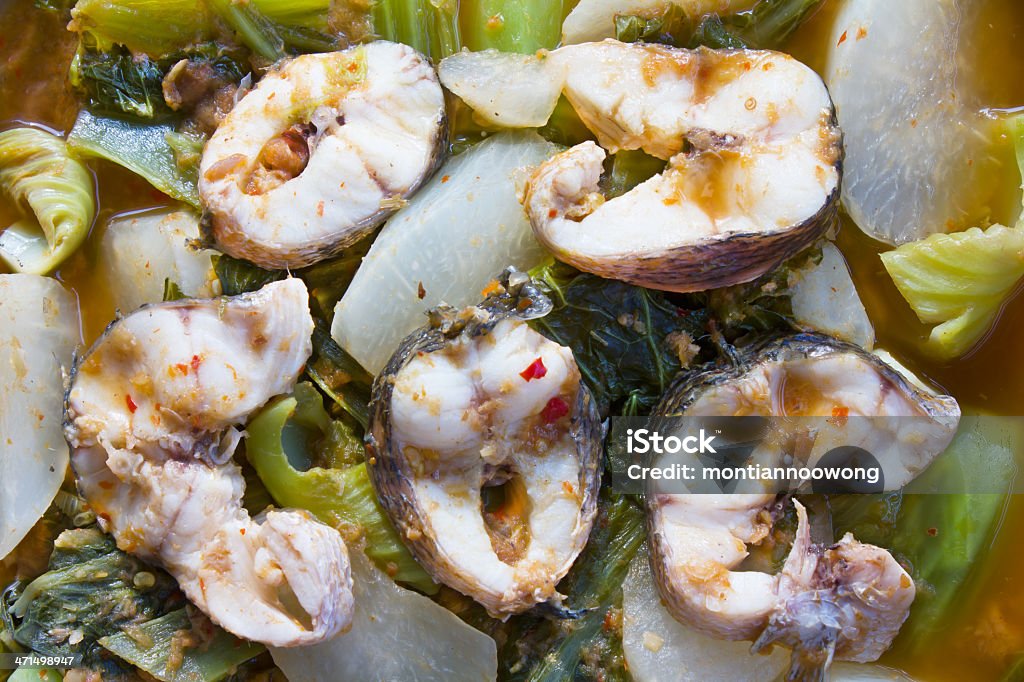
536 370
554 410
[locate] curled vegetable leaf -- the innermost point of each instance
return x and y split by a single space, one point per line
37 172
154 27
340 497
959 282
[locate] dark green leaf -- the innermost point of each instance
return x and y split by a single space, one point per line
564 126
765 26
116 82
172 292
589 647
670 27
339 375
238 276
88 589
712 32
626 339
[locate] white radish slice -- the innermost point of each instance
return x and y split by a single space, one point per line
913 145
505 89
457 234
140 251
396 634
825 299
39 329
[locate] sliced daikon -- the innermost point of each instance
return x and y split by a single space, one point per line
396 634
913 144
503 88
456 235
825 299
140 251
39 329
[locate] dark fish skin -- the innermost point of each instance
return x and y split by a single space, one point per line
710 263
390 472
690 385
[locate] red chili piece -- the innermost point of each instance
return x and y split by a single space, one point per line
554 410
130 403
535 371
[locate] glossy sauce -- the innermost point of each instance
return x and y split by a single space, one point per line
981 643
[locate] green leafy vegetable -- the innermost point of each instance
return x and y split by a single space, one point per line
117 82
177 648
339 375
153 27
287 443
940 536
38 173
564 126
712 32
767 25
90 590
666 27
628 341
628 169
239 276
161 27
142 148
172 292
522 26
430 26
959 282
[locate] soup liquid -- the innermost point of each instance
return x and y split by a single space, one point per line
988 633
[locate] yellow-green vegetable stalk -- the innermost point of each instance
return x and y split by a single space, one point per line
40 176
339 497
